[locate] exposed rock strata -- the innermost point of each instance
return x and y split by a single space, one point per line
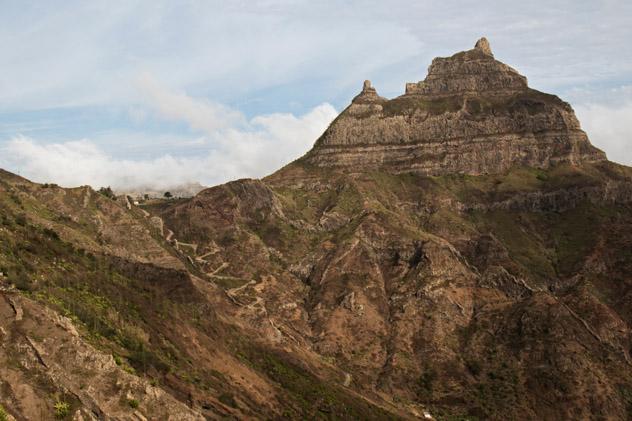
472 114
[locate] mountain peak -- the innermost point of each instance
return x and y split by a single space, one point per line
368 95
473 71
472 114
483 45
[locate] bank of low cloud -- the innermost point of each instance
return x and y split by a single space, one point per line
255 149
609 127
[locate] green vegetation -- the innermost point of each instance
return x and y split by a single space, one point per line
90 289
473 366
626 394
62 409
496 394
575 235
228 399
425 384
133 403
305 395
4 416
525 246
107 192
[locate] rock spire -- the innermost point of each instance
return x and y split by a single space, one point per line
483 45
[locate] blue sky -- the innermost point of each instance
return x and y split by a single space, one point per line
157 93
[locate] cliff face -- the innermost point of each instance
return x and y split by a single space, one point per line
472 115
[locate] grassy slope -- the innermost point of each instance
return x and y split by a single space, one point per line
108 300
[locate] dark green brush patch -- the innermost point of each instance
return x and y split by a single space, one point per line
106 303
228 399
306 396
573 239
524 246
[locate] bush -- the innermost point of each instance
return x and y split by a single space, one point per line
107 192
52 234
20 220
133 403
16 199
3 414
62 409
425 383
228 400
22 281
474 367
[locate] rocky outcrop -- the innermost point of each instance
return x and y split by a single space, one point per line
70 372
472 114
474 71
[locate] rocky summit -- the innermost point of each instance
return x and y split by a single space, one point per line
461 252
471 115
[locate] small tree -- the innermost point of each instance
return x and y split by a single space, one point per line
168 195
107 192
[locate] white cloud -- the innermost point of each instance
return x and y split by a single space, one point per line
609 128
267 143
200 114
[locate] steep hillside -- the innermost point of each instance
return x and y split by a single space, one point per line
459 252
485 296
104 318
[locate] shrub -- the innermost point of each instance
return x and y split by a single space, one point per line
133 403
107 192
16 199
20 220
62 409
22 281
473 366
228 400
52 234
425 383
3 414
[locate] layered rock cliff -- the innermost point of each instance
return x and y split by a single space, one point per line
472 115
